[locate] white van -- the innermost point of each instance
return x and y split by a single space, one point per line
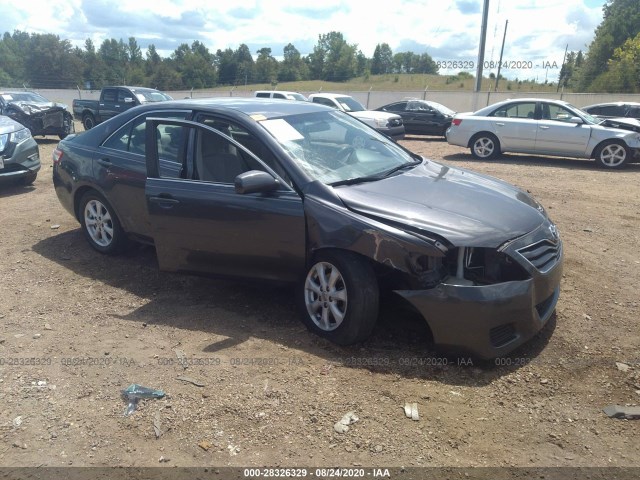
280 94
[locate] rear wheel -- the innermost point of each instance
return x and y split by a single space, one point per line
88 122
485 146
613 154
100 224
339 297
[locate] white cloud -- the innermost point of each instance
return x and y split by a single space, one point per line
538 30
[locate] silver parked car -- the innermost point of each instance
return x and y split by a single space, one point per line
544 127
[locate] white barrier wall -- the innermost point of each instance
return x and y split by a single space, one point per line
458 101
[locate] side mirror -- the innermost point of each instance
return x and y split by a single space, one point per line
128 100
576 120
255 181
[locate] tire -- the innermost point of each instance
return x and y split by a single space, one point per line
88 121
346 312
29 179
485 146
100 224
612 154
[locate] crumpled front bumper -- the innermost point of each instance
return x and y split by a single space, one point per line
492 320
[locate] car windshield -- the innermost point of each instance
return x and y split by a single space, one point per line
152 96
350 104
24 97
335 148
298 96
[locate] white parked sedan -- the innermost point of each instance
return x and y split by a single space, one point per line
544 127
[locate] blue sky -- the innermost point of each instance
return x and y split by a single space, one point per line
538 32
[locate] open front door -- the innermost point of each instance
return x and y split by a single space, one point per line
200 224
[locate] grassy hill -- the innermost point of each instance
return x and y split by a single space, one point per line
401 82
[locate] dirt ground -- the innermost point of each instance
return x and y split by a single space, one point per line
77 327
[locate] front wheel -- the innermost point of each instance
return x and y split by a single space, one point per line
485 146
339 297
100 224
613 154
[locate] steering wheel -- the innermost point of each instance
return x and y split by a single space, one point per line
345 155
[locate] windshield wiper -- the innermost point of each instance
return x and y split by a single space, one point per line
377 176
398 168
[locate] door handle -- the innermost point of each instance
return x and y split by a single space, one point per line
544 127
164 201
500 124
105 162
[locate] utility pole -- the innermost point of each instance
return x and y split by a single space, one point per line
483 41
504 37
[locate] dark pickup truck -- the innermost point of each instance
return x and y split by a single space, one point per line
114 100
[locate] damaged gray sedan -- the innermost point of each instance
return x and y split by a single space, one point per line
38 114
280 191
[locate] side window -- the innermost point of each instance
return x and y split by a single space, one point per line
171 140
324 101
397 107
518 110
279 95
634 112
122 94
247 140
218 160
419 107
612 111
556 112
109 95
262 95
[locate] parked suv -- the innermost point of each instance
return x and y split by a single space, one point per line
282 95
387 123
19 155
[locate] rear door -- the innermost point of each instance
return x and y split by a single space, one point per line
121 171
516 126
200 223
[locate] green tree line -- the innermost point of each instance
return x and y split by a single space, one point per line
612 61
47 61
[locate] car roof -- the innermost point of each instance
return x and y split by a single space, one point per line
524 99
328 95
276 91
133 89
614 104
264 108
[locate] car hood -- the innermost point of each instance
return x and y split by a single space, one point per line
622 123
465 208
31 108
7 125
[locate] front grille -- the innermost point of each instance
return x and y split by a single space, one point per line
543 254
502 335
